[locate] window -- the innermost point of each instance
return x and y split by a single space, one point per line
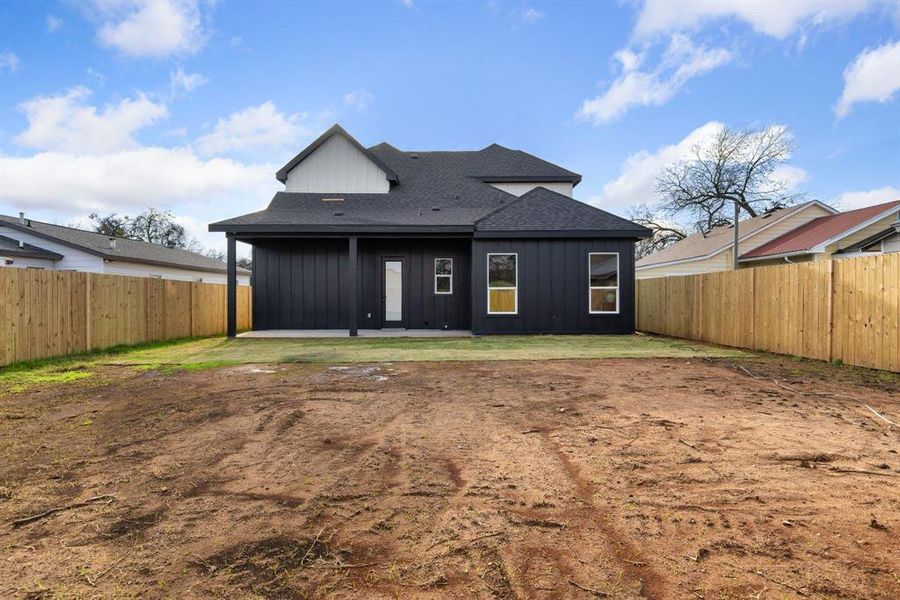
603 283
503 293
443 276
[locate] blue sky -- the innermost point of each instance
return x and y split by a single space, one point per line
192 106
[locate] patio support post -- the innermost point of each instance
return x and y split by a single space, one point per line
352 285
231 293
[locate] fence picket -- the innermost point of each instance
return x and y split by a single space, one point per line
52 313
840 310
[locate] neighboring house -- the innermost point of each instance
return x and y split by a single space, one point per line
861 232
30 244
699 253
488 240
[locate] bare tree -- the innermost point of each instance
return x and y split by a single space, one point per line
112 224
664 231
736 170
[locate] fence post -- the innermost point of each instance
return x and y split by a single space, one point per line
753 308
830 309
88 312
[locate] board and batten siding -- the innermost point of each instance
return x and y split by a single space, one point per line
422 308
517 188
553 286
338 167
300 284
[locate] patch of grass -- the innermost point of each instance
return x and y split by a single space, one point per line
20 380
197 366
211 353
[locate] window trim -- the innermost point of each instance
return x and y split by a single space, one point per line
603 287
515 311
450 276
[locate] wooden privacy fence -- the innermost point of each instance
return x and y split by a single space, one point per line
843 309
53 313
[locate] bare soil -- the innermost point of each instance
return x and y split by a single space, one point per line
627 478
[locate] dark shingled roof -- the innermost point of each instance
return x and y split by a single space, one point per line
545 210
11 247
433 191
125 250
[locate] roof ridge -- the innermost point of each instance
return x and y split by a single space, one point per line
16 222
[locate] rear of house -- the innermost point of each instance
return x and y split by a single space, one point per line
489 241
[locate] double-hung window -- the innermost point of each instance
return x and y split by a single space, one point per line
503 291
443 276
603 283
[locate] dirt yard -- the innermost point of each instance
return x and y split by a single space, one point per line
673 478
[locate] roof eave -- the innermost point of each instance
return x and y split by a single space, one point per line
338 228
573 179
569 233
778 255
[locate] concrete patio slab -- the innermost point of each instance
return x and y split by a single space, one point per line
369 333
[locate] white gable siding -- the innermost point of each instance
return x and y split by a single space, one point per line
135 269
73 259
518 188
337 166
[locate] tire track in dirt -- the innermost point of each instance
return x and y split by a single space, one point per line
653 585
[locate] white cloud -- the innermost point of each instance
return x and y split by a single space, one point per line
256 127
10 61
408 3
853 200
117 180
151 28
529 16
358 99
789 174
873 77
636 184
54 23
680 62
198 191
775 19
66 123
180 81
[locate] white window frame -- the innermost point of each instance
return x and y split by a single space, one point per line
515 311
436 277
603 287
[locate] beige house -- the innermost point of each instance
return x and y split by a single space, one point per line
861 232
700 253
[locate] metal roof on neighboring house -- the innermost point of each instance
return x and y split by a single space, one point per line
11 247
126 249
822 230
699 245
436 191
